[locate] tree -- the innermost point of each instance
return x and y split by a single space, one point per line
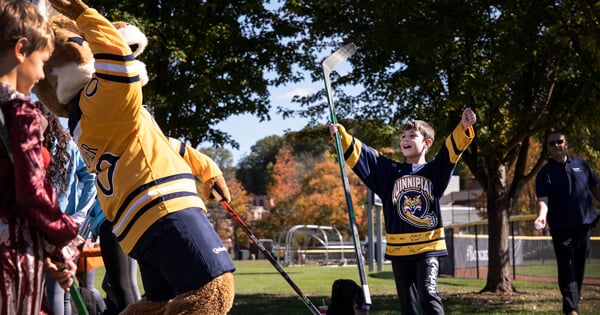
323 197
284 189
524 66
309 191
254 170
208 60
221 156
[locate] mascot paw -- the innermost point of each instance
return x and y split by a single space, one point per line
71 9
219 183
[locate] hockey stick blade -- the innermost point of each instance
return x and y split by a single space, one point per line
337 57
328 64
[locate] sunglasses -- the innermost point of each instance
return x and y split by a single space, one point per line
559 142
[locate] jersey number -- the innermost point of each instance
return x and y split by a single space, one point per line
106 165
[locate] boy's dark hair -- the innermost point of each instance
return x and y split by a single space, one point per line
21 19
421 126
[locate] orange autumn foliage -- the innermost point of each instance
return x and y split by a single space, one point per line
312 195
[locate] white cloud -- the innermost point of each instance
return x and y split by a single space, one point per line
286 94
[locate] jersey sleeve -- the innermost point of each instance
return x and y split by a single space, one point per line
116 74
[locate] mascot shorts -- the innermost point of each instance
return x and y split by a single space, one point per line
179 253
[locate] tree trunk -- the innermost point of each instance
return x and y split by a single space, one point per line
499 275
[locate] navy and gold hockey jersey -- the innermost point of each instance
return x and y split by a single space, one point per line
121 144
411 207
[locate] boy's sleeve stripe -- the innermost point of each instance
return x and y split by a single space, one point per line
349 151
116 78
458 141
453 150
114 57
352 154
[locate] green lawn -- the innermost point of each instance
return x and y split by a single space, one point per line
547 268
260 289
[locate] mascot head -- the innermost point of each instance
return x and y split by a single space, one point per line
71 66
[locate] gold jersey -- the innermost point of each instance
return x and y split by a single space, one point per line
140 177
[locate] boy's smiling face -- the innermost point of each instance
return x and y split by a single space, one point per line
414 146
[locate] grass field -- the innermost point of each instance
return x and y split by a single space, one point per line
260 289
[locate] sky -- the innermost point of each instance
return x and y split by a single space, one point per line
247 129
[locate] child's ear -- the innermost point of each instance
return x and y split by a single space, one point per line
428 143
19 49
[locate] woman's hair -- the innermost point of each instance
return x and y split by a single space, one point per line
421 126
56 140
21 19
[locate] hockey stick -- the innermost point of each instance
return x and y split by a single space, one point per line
268 254
84 231
328 64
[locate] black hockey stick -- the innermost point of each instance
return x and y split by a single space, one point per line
267 254
328 64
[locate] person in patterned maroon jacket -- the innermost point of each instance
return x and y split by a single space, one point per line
35 236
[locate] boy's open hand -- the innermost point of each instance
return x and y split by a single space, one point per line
468 118
69 8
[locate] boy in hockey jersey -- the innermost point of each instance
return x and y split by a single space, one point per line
410 193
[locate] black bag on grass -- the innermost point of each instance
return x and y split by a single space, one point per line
347 298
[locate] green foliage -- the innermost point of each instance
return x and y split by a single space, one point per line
523 66
208 60
254 171
221 156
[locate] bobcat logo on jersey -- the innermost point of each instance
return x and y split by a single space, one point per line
412 199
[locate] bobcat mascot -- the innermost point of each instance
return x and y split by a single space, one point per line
145 188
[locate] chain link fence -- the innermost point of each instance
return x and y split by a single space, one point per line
531 254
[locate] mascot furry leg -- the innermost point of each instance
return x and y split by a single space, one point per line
215 298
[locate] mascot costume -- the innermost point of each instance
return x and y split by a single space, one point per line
145 187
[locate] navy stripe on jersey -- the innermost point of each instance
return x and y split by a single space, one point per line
114 57
455 148
350 150
149 206
142 188
181 149
120 79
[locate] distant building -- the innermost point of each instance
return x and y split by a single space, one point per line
458 206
